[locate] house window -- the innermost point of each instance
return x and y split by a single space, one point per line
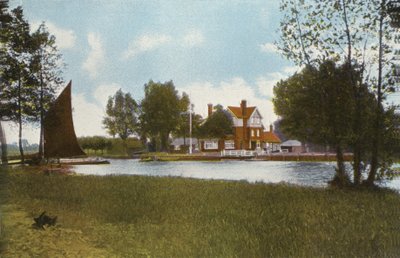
258 133
256 120
252 132
211 145
229 145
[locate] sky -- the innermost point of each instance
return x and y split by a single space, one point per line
216 51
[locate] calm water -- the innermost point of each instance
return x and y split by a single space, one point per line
301 173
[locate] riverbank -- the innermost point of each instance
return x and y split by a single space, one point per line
216 156
139 216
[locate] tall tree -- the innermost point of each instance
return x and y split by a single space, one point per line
16 71
317 105
218 124
358 34
121 115
46 71
161 111
5 18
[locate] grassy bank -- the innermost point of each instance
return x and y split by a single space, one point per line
133 216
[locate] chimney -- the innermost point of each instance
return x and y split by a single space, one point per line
271 128
243 105
210 109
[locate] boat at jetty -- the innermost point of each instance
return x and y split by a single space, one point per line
84 161
60 142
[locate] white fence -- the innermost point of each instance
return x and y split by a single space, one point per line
242 153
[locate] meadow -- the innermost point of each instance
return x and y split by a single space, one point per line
139 216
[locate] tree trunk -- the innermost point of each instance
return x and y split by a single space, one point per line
379 111
341 179
357 165
356 91
124 146
375 152
299 30
3 142
164 142
41 143
41 137
21 150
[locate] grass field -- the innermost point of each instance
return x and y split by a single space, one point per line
134 216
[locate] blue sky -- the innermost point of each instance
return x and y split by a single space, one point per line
216 51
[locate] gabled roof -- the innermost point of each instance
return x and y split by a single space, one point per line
270 137
291 143
237 111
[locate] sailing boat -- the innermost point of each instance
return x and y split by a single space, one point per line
59 134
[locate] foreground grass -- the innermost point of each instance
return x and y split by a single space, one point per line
133 216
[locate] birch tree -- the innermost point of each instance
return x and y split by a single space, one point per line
46 72
16 71
356 33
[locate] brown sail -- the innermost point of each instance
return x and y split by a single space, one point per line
59 134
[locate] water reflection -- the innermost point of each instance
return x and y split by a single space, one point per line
301 173
315 174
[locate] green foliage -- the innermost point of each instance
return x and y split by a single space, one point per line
176 217
46 69
15 72
96 143
357 33
30 70
218 125
312 32
318 106
393 9
121 115
161 112
183 128
110 146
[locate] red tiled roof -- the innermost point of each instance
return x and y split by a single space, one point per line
270 137
237 111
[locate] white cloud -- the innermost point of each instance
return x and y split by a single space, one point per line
145 43
268 48
96 57
102 92
266 85
290 70
193 38
87 116
65 38
228 93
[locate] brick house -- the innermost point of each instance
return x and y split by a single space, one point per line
248 132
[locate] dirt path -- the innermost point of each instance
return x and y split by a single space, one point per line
26 241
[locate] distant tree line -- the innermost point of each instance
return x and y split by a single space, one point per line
109 146
30 73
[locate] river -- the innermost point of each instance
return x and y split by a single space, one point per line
315 174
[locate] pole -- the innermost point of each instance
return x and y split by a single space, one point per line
190 128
